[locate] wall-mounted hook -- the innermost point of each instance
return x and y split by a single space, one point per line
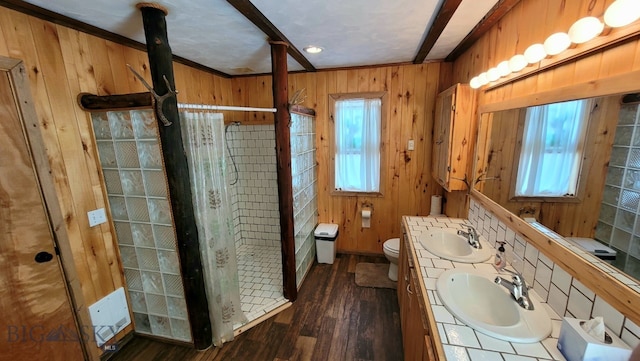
159 99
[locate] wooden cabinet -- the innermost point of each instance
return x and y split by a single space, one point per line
416 338
452 130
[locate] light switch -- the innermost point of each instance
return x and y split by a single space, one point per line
411 145
97 217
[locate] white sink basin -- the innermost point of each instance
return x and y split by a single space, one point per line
475 299
446 243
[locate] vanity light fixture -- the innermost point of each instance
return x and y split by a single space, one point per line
312 49
535 53
503 68
557 43
621 13
585 29
492 74
517 63
483 79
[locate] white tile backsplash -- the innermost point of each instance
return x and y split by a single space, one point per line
612 318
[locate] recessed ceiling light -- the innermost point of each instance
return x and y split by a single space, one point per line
312 49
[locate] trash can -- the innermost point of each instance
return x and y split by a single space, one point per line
326 234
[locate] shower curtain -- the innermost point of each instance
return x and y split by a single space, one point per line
203 135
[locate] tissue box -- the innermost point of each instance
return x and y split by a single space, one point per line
576 344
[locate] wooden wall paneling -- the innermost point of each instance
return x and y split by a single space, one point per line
20 44
118 67
103 74
617 60
55 77
138 61
407 129
3 42
105 245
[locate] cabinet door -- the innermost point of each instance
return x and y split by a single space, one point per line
441 138
453 125
415 331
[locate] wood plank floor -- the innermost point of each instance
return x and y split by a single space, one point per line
333 319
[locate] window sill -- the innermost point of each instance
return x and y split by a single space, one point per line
574 199
337 193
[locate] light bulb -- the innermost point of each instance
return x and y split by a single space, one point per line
535 53
312 49
482 78
517 63
557 43
492 74
585 29
622 12
503 68
475 83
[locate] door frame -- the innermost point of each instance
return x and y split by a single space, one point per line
19 80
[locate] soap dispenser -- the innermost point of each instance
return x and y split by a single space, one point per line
500 261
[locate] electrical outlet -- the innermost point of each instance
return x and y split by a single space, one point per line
411 145
97 217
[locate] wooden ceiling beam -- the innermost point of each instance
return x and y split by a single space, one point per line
500 9
246 8
445 13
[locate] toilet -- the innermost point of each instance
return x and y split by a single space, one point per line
391 249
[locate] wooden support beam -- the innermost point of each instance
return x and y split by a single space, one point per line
445 13
92 102
177 170
246 8
500 9
283 157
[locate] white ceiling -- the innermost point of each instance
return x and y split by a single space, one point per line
352 32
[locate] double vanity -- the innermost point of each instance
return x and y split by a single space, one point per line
454 305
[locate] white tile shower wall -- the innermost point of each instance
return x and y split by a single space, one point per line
132 167
566 295
255 195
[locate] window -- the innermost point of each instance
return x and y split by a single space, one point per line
552 149
357 142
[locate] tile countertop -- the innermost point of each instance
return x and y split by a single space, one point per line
460 342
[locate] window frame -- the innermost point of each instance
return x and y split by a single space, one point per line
383 141
581 182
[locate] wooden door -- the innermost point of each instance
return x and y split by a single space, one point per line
37 322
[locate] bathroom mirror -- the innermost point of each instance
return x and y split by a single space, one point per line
603 203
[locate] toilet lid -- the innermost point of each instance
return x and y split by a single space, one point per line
392 245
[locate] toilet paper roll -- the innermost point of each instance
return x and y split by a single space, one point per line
436 205
366 218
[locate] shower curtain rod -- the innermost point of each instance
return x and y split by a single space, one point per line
224 107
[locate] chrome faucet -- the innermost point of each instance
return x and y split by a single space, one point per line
518 289
472 236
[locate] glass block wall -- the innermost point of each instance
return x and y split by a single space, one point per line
619 220
136 185
305 194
